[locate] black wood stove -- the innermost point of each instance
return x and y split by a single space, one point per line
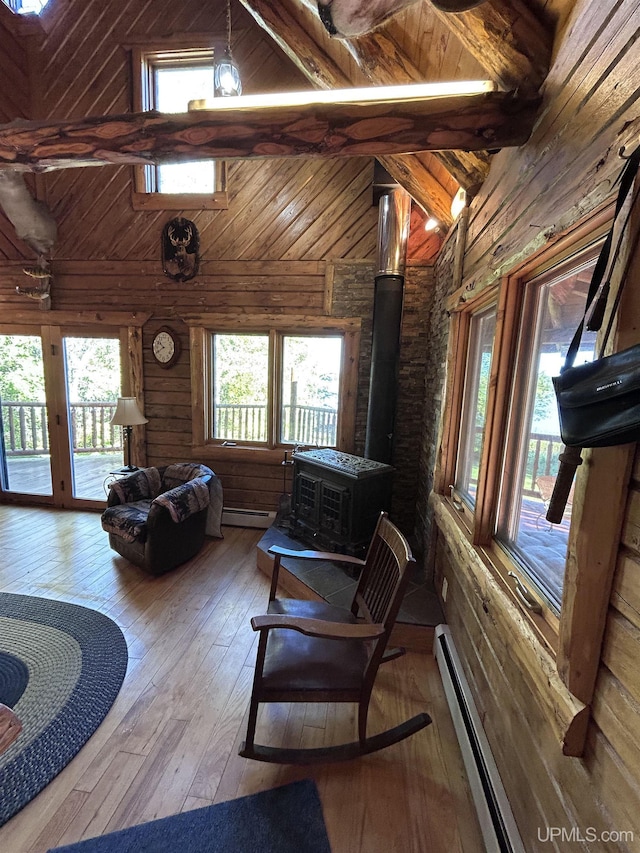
337 499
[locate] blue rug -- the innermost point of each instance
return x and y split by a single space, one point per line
283 820
61 667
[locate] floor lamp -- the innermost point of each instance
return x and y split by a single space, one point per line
127 415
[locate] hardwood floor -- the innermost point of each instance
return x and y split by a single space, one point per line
170 741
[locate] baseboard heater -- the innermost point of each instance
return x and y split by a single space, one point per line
498 825
247 517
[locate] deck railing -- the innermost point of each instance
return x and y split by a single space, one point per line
300 424
26 434
25 429
542 459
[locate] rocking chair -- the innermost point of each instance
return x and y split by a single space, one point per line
311 651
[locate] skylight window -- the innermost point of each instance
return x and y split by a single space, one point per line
26 7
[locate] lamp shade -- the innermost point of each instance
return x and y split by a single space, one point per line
128 413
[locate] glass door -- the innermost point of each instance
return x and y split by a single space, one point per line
25 457
92 386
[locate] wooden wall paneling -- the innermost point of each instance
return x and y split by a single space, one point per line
626 589
621 651
359 240
291 203
10 246
621 791
15 102
513 638
492 691
253 188
524 745
525 192
321 237
617 715
16 92
69 72
97 201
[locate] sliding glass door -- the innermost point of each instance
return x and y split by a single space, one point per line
25 458
58 392
92 387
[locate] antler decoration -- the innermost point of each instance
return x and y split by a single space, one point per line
42 290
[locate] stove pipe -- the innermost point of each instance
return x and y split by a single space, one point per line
394 210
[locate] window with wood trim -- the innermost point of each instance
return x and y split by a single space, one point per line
504 434
552 306
275 385
166 80
482 326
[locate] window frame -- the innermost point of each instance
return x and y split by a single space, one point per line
574 637
143 59
202 327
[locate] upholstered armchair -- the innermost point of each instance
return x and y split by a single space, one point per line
158 517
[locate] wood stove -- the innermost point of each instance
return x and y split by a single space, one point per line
337 499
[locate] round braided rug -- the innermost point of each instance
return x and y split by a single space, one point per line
61 667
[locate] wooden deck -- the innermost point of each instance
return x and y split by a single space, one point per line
170 741
31 475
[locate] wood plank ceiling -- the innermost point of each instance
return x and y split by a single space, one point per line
508 41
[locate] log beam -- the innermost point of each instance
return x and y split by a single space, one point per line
382 62
507 39
357 129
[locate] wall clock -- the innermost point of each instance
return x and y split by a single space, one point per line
166 346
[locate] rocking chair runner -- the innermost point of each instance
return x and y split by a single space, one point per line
311 651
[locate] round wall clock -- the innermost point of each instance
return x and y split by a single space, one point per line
166 346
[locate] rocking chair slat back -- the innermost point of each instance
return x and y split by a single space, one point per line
308 651
387 561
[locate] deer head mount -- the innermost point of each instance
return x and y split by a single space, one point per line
180 249
351 18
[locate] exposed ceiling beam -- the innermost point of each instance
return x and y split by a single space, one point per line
382 62
281 20
507 39
358 128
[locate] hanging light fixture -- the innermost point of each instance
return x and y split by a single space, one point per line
226 77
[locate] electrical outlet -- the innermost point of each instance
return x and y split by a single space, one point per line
445 589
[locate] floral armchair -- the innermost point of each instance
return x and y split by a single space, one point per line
158 517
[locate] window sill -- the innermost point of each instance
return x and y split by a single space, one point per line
242 453
170 201
544 625
524 633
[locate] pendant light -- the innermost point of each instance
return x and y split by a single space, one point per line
226 77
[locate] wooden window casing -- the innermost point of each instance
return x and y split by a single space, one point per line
203 326
574 638
143 59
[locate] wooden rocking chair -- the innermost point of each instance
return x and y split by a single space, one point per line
311 651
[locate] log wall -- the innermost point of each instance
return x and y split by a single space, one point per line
531 196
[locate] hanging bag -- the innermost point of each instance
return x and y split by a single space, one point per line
599 401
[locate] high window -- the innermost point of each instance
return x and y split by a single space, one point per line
26 7
166 80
